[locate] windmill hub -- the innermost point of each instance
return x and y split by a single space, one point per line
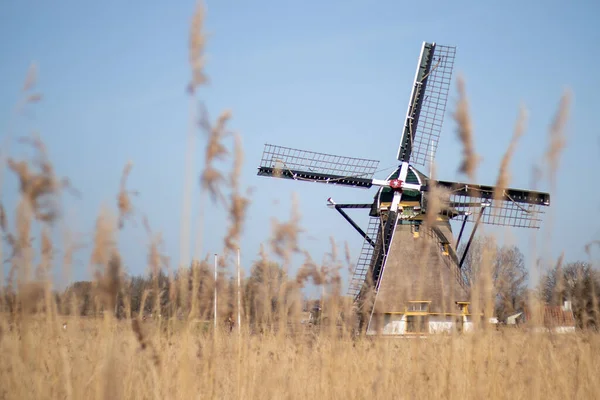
396 184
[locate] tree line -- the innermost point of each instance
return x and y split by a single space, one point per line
269 294
576 281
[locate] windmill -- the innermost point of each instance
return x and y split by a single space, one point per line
386 280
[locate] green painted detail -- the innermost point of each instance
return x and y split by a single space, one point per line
408 211
408 222
387 193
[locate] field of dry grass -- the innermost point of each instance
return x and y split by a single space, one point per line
48 355
106 359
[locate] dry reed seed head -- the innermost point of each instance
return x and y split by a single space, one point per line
285 238
237 213
238 162
465 132
33 187
24 220
503 174
438 199
309 270
215 150
211 180
333 253
197 43
13 243
557 135
588 247
278 168
39 188
104 242
154 256
239 204
31 77
123 200
33 98
110 280
3 223
146 224
348 256
285 235
137 330
30 295
222 263
46 243
335 281
560 284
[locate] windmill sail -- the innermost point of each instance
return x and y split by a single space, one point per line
427 104
308 166
513 207
364 259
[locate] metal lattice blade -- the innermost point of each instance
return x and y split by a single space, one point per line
427 104
514 207
364 260
308 166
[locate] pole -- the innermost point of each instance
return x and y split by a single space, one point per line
431 160
215 301
462 228
347 218
239 327
239 284
464 256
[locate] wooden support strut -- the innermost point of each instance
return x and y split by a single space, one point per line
462 260
354 225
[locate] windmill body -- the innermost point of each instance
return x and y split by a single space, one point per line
407 278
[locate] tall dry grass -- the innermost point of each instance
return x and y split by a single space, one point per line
47 354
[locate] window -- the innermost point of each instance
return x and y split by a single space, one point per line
418 306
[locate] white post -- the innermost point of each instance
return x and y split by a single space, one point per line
239 282
239 327
431 159
215 310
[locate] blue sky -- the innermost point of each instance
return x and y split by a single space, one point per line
324 76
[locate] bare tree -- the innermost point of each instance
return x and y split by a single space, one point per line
578 283
503 266
472 267
510 281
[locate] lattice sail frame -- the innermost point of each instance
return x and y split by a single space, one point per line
427 105
501 212
514 208
431 119
361 269
286 162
